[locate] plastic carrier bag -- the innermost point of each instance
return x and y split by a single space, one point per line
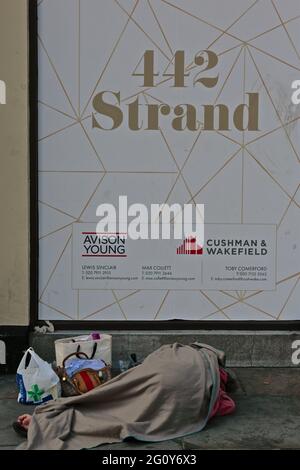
36 380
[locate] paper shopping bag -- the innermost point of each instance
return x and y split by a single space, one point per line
94 348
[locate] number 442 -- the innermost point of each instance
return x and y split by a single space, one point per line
206 59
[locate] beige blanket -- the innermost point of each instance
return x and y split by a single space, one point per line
170 395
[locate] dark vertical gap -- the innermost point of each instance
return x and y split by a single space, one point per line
33 161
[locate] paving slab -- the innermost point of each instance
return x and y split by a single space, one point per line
9 411
8 389
260 422
277 381
267 406
267 416
135 445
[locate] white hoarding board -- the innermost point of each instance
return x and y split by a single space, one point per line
170 102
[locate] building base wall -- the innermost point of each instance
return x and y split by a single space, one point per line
242 348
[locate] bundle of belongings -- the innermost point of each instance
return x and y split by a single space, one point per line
174 392
82 363
81 374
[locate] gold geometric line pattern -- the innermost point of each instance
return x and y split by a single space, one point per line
274 106
216 99
287 278
79 55
260 34
58 131
258 309
289 205
149 172
216 174
110 57
55 231
57 75
57 209
232 24
199 133
202 20
77 220
213 303
229 74
119 304
237 295
273 29
219 310
57 110
283 125
130 16
284 62
161 305
285 29
271 176
288 298
286 124
174 159
92 145
55 266
109 305
56 310
239 300
220 54
226 32
160 27
229 306
163 172
173 156
91 196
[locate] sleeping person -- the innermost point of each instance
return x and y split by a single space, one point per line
174 392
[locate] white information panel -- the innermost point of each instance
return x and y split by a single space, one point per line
244 258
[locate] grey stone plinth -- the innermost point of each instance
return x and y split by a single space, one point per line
243 348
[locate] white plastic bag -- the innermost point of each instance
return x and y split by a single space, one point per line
94 348
36 380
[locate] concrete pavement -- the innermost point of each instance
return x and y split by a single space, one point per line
267 416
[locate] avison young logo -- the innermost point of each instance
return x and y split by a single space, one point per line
101 244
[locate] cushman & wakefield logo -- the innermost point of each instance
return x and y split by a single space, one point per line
189 247
2 92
